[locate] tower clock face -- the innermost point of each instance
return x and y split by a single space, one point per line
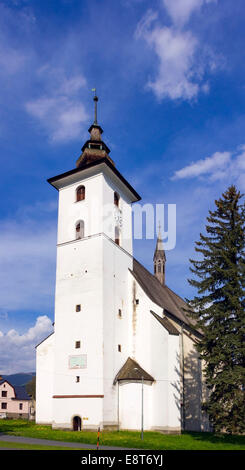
118 217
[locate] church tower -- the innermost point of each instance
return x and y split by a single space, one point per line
159 259
94 256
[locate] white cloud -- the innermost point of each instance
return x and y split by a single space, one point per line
181 10
209 165
60 110
182 61
176 55
17 351
61 117
181 65
42 326
221 166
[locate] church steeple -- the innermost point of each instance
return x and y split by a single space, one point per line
159 259
94 148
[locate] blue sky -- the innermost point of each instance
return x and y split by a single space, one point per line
170 77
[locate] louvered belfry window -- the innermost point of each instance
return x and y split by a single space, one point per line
80 193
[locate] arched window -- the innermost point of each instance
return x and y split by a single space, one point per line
79 229
116 199
155 268
80 193
159 266
117 235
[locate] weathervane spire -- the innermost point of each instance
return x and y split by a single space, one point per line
159 257
94 148
96 99
159 229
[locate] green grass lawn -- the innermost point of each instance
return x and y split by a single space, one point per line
130 439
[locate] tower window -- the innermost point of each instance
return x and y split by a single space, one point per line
80 193
78 344
119 348
117 235
120 313
116 199
137 301
79 229
78 308
155 268
77 379
159 267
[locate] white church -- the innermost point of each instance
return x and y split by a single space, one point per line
122 354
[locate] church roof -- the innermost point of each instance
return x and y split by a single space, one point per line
166 324
160 294
131 370
55 179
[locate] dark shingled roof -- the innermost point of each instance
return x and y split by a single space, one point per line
131 370
166 324
159 294
21 393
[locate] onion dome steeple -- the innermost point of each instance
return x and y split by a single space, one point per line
159 259
94 148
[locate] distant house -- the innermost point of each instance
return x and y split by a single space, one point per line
14 401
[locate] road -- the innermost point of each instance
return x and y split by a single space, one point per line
46 442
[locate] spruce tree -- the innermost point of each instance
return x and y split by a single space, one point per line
219 310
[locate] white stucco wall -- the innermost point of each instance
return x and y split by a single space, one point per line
158 353
45 380
115 328
90 410
130 406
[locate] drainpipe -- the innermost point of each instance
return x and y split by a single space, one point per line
142 408
118 415
183 376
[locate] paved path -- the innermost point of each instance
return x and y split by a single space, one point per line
46 442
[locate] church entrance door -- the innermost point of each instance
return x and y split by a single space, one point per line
77 423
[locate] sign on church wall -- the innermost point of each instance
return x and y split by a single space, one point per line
78 362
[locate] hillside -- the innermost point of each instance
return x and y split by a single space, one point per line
19 379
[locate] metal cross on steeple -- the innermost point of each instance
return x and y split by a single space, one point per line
96 99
